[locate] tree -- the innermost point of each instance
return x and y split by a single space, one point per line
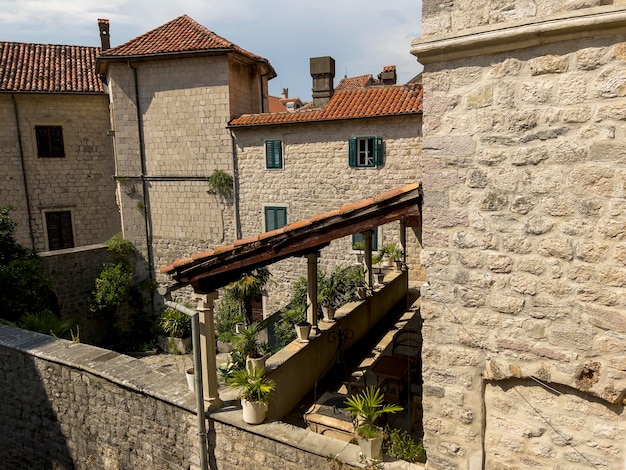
24 288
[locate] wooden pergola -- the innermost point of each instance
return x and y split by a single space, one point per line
206 272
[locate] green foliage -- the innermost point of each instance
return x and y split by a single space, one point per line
394 252
366 408
48 324
24 288
401 445
247 288
120 246
360 245
112 286
246 341
252 384
175 324
227 315
284 329
339 286
221 183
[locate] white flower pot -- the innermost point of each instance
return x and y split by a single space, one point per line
329 313
371 448
191 379
255 362
254 412
303 332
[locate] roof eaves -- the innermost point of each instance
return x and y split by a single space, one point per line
348 118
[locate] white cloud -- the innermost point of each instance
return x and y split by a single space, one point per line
362 36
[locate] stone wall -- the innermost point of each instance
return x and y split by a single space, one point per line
524 241
184 110
71 405
72 273
316 177
80 182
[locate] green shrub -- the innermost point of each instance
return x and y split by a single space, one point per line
401 445
175 324
112 287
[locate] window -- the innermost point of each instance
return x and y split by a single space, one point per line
358 237
59 227
275 217
49 141
366 151
273 154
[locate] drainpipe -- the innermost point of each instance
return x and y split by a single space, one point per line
197 368
144 182
21 149
238 234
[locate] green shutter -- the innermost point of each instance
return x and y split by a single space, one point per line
278 154
275 217
268 154
379 151
352 152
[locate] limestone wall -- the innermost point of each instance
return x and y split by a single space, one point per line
184 110
316 177
80 183
524 245
446 16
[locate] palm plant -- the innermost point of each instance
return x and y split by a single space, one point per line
248 288
246 342
366 408
252 384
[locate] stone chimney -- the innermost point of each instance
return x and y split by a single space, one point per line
284 93
323 73
388 75
104 34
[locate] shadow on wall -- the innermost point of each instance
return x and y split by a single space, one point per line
30 434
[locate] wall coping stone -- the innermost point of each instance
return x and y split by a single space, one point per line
515 35
166 385
77 249
301 439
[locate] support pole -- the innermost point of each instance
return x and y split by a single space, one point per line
311 292
369 274
197 366
403 240
207 349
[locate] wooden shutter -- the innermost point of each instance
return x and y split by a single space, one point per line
379 151
352 151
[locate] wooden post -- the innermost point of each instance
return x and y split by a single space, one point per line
311 292
207 349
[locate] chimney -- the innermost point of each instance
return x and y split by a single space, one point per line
323 73
284 93
104 34
388 75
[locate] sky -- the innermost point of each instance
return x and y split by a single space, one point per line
362 36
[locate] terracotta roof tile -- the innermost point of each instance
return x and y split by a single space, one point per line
182 34
350 83
48 68
372 101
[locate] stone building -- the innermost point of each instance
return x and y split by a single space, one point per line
55 156
172 92
293 165
524 233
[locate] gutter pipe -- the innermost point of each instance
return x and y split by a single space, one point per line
197 374
23 165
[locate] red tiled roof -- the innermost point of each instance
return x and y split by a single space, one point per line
276 105
373 101
350 83
182 34
48 68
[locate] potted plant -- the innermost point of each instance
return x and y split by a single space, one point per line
379 274
254 390
176 329
395 254
303 328
366 408
360 247
247 344
332 293
191 379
